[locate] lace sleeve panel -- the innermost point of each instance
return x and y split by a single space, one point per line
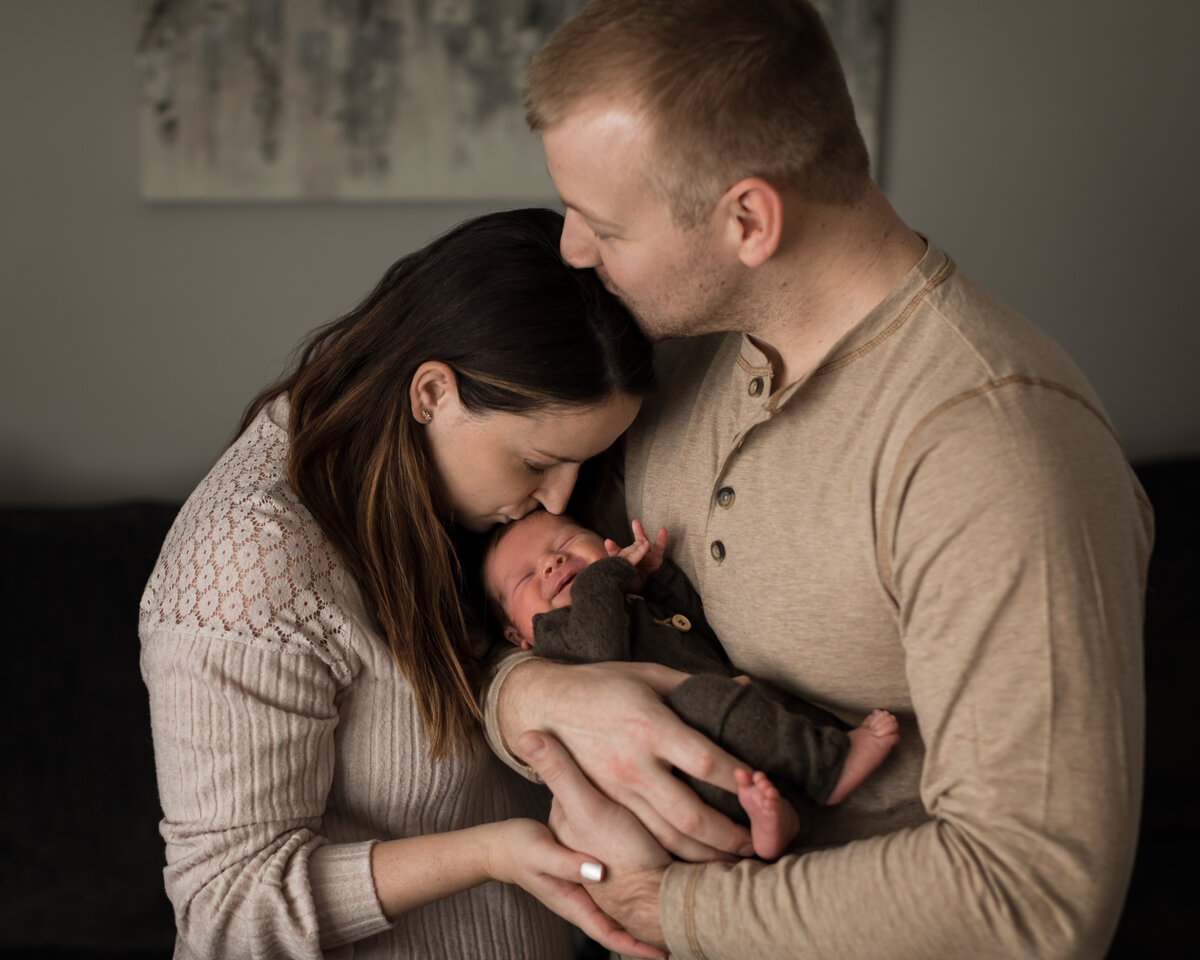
245 560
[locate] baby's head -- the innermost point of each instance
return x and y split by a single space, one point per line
530 566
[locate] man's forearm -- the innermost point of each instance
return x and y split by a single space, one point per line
512 686
931 891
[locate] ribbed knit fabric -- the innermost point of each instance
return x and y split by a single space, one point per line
287 743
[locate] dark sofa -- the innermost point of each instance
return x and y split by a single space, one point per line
81 871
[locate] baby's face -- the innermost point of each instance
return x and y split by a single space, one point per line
533 565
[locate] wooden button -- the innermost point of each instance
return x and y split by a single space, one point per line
681 623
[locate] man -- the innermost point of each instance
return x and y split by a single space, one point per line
889 491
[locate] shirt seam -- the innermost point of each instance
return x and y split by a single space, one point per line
938 278
949 403
751 369
689 912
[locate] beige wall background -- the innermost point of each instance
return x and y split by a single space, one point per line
1049 147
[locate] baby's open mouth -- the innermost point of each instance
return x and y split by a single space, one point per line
564 583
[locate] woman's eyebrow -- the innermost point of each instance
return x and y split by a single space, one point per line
555 456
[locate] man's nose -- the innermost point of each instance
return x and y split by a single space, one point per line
577 244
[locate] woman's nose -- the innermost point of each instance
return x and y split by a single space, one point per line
556 491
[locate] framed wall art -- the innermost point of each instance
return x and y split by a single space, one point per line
373 99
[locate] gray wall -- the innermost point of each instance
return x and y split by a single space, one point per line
1047 146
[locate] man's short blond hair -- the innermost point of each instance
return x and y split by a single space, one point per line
733 89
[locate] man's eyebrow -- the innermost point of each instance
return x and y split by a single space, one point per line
587 215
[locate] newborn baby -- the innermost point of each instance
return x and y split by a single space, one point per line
566 593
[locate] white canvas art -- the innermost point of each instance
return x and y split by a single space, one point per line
373 99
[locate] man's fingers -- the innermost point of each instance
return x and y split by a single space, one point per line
576 906
558 771
696 832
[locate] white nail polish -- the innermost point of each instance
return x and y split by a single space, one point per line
591 871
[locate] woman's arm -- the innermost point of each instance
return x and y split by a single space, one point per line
417 870
249 872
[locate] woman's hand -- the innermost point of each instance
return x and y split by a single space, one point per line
611 719
525 852
583 818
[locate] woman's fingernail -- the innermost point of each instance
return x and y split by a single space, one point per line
747 850
591 871
531 744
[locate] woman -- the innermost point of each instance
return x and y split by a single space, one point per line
311 682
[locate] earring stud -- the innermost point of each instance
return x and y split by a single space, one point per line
427 416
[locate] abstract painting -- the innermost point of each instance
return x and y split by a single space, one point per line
860 31
373 99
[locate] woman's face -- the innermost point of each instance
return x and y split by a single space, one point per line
498 466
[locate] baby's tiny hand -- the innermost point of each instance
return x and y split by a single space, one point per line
633 553
646 557
654 556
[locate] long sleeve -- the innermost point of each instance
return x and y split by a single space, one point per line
287 743
244 741
1013 543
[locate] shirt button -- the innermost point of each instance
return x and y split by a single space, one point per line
756 386
717 550
681 623
725 497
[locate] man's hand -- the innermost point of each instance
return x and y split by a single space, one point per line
525 853
611 718
582 818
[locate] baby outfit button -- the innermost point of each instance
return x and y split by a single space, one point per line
756 386
725 497
717 550
681 623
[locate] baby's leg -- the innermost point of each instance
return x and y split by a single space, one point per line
870 743
773 821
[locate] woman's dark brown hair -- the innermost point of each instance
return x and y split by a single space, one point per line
522 331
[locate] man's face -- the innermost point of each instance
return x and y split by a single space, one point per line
533 565
675 281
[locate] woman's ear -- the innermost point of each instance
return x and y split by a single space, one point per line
753 212
433 388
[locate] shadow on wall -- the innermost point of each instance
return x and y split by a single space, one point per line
33 478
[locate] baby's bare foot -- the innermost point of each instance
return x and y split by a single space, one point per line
870 743
773 821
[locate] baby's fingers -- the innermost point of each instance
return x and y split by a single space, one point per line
635 551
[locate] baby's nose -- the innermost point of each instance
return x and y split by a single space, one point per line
552 562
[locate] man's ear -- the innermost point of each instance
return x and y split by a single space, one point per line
753 213
434 387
